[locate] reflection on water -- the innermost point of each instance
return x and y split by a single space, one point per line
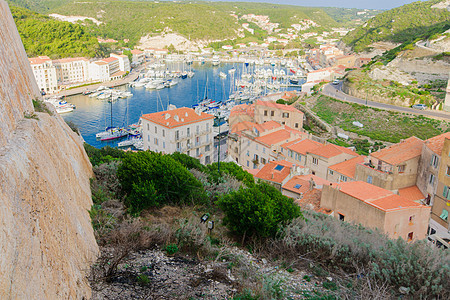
93 115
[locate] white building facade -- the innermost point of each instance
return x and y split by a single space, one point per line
181 130
45 73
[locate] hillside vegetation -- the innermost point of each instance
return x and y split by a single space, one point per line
42 35
403 24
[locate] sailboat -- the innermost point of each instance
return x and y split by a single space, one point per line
111 132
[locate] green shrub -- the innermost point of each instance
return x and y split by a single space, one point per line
229 168
171 249
40 106
103 155
152 179
258 210
143 279
188 161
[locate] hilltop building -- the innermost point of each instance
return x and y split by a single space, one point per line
181 130
374 207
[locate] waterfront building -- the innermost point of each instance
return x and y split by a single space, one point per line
181 130
71 70
138 57
124 62
45 73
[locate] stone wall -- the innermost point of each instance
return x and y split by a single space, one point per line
46 239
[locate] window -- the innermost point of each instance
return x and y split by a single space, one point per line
369 179
448 171
188 153
297 186
341 217
296 125
207 159
178 146
156 141
148 138
444 215
248 153
188 132
156 130
315 161
248 164
248 143
401 168
164 133
272 113
299 158
148 127
411 220
434 161
431 180
343 178
410 236
331 172
207 126
265 113
263 161
256 146
197 141
177 135
207 148
446 192
283 123
198 129
285 115
164 145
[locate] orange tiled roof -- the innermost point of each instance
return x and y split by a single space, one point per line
331 150
136 51
378 197
302 145
412 193
246 125
243 109
38 60
277 136
109 59
277 106
177 117
317 180
348 167
436 143
401 152
297 185
311 201
269 173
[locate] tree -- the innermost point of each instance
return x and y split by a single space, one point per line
152 179
259 210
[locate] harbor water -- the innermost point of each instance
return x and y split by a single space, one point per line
92 115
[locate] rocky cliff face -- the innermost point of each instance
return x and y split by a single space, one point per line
46 239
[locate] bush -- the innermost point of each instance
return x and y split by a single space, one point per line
152 179
229 168
171 249
103 155
187 161
259 210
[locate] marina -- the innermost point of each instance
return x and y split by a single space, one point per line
111 111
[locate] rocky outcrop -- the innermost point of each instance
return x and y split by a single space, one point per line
46 239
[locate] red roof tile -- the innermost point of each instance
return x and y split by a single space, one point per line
302 146
297 185
109 59
412 193
270 173
243 109
401 152
331 150
276 137
277 106
177 117
348 167
436 143
378 197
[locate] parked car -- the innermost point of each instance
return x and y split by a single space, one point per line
419 106
335 82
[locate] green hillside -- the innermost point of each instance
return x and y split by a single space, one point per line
41 6
42 35
403 24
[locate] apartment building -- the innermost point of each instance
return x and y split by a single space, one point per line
72 70
296 151
138 57
374 207
277 173
319 159
281 113
181 130
394 167
253 145
344 171
124 62
45 73
429 164
439 222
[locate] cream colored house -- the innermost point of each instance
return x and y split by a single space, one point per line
344 171
181 130
45 73
319 159
374 207
296 151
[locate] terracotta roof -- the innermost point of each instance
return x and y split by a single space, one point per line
253 171
317 180
436 143
39 60
243 109
277 106
100 63
375 196
401 152
246 125
276 137
176 117
270 173
412 193
70 59
302 145
348 167
136 51
297 185
109 59
331 150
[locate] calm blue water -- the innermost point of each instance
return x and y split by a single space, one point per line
93 115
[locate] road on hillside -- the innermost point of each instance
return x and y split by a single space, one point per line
335 91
